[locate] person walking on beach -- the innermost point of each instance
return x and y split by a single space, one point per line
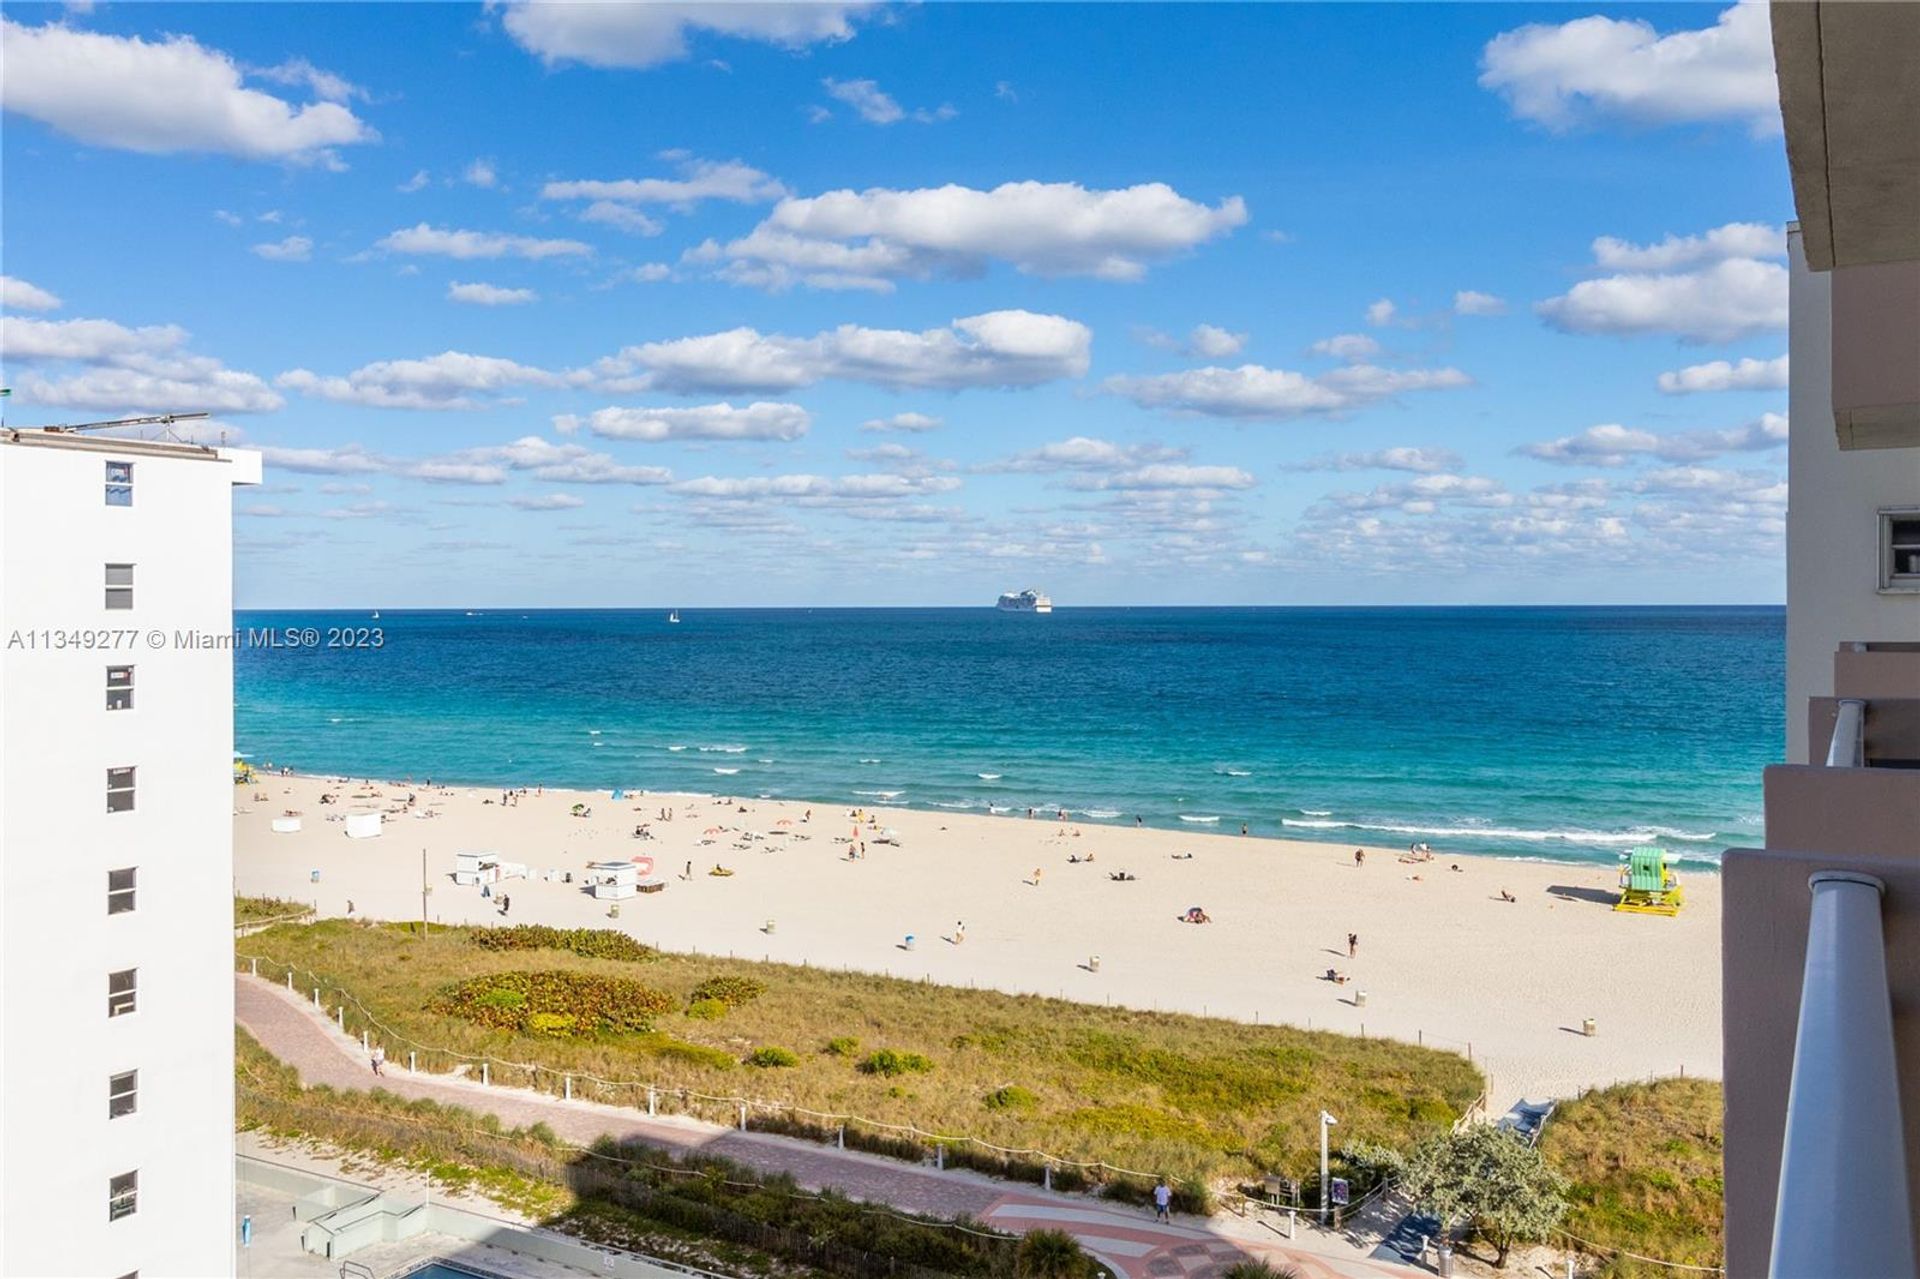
1353 944
1243 828
1162 1201
1036 877
1359 857
959 931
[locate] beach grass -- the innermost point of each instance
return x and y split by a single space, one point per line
1644 1160
1205 1101
696 1210
258 910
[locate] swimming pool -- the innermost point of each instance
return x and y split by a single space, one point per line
447 1270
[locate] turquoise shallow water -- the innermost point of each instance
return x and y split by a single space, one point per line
1566 733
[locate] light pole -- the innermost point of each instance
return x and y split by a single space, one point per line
1326 1121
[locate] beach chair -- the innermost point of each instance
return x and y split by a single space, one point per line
1648 885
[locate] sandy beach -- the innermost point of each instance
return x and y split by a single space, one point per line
1441 957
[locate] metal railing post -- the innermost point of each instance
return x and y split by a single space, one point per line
1842 1206
1849 747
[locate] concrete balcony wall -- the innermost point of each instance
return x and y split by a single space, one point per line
1892 730
1877 670
1872 812
1766 904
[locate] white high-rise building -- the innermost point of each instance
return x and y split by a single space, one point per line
116 856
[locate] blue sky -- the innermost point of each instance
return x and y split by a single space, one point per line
689 305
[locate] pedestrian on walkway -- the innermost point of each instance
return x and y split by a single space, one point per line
1162 1201
379 1059
506 904
1353 944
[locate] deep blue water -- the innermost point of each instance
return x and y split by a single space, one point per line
1550 732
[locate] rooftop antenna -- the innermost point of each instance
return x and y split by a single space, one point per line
158 419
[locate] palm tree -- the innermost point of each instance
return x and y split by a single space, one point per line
1051 1254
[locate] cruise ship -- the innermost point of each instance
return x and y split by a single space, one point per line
1027 601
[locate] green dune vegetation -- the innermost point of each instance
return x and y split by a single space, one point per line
1207 1102
696 1210
1644 1166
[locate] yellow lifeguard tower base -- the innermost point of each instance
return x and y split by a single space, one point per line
1648 885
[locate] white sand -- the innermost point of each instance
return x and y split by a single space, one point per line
1440 958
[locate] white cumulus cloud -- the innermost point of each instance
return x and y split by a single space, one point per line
161 97
423 239
1613 445
1471 302
295 248
1748 374
997 349
869 239
647 35
121 368
761 420
1599 68
450 380
1420 461
1254 391
1734 240
481 294
18 295
910 423
1721 302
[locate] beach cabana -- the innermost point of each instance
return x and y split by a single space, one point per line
1648 885
613 880
287 825
476 868
363 825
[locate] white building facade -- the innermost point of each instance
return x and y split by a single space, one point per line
116 856
1853 518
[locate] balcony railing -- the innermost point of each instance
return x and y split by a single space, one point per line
1842 1207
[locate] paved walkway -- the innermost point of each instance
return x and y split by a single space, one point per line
1131 1242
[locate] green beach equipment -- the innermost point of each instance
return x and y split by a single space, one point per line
1648 885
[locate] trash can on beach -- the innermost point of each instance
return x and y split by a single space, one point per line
1587 1027
1443 1265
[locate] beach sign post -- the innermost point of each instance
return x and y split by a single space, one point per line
1326 1121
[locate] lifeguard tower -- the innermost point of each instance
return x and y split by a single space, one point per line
1648 885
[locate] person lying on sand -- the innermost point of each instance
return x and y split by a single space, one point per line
1122 877
1195 915
1506 896
720 870
1337 977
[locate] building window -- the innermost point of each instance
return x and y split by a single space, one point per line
119 688
121 992
123 1094
120 891
119 484
123 1196
119 790
119 586
1900 549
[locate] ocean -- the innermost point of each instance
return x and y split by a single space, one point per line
1561 733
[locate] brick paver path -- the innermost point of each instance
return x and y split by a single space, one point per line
1131 1242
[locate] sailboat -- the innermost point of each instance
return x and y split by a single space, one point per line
674 616
376 614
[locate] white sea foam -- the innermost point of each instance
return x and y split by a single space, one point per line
881 794
593 732
989 777
1639 835
999 808
723 750
956 803
1234 772
676 748
726 772
1100 814
1204 821
869 761
1316 812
